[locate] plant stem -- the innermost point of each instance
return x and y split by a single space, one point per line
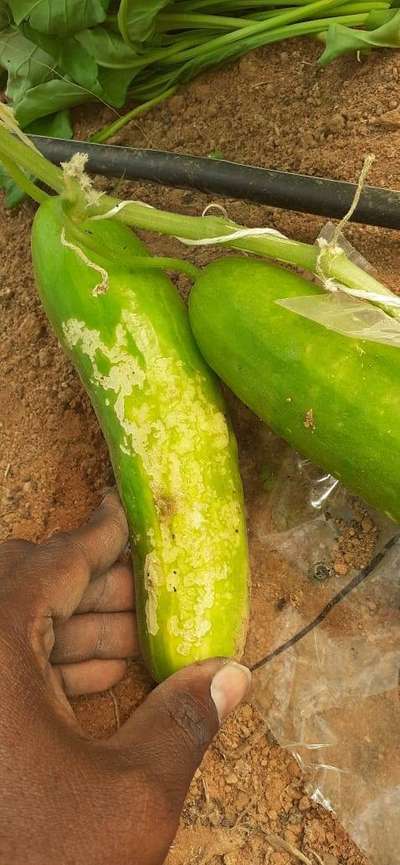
31 160
337 266
220 42
108 131
145 89
217 6
24 182
342 8
202 227
184 21
304 255
136 262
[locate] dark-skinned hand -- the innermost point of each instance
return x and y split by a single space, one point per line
66 627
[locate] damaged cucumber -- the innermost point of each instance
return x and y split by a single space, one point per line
171 445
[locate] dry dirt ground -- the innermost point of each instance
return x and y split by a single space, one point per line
275 108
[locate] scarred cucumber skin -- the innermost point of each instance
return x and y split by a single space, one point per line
333 398
172 449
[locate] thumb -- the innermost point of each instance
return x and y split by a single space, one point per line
170 732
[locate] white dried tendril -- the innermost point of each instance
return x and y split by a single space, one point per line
102 286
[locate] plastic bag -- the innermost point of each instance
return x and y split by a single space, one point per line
349 317
342 311
333 698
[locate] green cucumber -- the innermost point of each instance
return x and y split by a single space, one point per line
333 398
171 445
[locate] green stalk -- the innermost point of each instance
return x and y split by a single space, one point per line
159 54
220 42
24 182
344 11
171 21
215 6
146 89
342 7
108 131
336 265
30 159
131 262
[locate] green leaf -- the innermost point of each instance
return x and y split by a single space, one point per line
69 55
27 65
136 19
341 39
49 97
378 17
115 83
54 126
216 154
59 17
108 48
78 64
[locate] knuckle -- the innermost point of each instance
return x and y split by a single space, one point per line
101 638
102 591
63 552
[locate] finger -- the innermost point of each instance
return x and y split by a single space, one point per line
64 565
90 677
95 635
111 593
167 736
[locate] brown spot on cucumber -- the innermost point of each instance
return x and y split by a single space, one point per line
166 506
309 421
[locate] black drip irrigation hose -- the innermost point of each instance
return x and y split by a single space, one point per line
318 195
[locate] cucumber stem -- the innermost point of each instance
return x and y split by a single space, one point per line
23 181
84 238
197 228
30 159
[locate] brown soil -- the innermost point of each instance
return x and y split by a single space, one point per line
277 109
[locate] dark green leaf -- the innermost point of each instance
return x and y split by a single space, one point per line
115 83
69 55
26 64
136 19
78 64
341 39
54 126
108 48
59 17
47 98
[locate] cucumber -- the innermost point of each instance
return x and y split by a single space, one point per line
173 452
333 398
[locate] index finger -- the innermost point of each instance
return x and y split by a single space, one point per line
66 563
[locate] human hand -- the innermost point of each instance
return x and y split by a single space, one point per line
66 626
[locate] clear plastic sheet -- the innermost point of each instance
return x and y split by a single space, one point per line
343 310
342 314
333 698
